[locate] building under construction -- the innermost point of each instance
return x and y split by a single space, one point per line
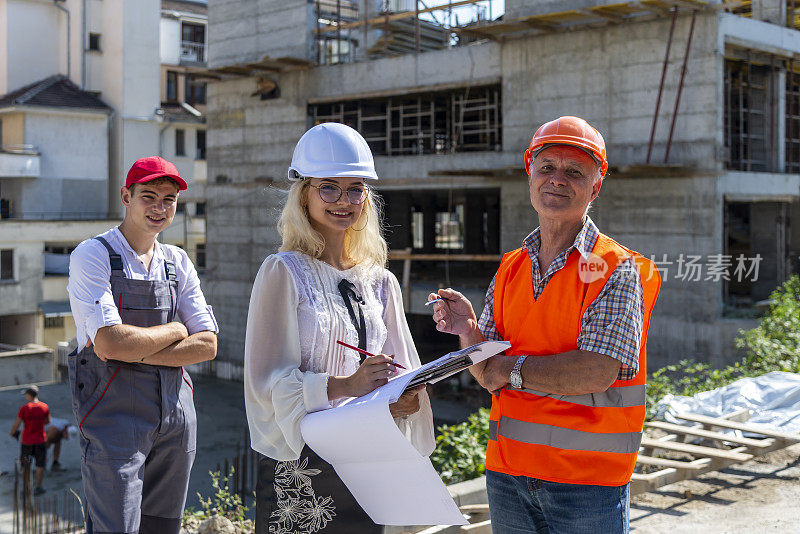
698 101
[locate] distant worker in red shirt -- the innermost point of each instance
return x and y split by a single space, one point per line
34 416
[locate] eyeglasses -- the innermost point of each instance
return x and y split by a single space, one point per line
331 193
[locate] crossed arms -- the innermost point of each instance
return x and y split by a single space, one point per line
168 344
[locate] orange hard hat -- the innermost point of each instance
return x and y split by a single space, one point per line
572 131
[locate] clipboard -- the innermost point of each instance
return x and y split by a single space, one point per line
455 362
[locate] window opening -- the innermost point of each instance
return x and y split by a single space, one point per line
6 264
172 86
200 152
749 124
180 142
461 120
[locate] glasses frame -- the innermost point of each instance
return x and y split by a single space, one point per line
341 192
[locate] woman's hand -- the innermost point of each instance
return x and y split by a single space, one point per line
407 404
373 373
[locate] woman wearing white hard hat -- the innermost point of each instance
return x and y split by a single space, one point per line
328 283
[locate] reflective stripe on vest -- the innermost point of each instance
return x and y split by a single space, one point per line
565 438
619 397
579 439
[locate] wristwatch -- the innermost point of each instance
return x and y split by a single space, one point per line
516 377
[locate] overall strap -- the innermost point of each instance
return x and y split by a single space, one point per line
114 259
169 269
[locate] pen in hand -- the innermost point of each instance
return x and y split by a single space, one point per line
365 353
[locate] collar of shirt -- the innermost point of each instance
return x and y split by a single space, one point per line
584 243
132 260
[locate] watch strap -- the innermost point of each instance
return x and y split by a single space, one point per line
516 372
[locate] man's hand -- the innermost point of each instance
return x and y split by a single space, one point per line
407 404
454 314
496 372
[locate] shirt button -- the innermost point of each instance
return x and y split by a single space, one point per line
80 386
83 361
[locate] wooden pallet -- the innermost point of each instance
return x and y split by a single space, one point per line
723 449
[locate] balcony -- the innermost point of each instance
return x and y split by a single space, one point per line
19 161
193 53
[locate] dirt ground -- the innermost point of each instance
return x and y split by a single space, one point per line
762 495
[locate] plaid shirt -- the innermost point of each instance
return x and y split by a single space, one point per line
612 324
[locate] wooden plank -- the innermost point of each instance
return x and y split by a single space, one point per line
484 527
594 12
643 483
696 450
710 434
474 508
740 415
695 465
744 427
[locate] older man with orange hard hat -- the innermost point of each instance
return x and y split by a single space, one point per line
568 397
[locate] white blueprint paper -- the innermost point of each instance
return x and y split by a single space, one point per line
389 478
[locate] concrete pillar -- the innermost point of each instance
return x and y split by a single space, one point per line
773 11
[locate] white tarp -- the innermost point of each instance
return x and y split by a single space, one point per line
773 400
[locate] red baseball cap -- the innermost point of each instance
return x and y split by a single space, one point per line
146 169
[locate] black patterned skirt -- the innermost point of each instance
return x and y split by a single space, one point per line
306 495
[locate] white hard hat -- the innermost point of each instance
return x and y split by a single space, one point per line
332 150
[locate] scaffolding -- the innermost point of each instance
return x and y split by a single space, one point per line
457 120
338 46
744 8
348 30
749 115
792 118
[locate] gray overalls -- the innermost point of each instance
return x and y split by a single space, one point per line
137 422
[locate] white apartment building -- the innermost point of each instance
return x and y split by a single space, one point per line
83 94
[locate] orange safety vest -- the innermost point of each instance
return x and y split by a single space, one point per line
576 439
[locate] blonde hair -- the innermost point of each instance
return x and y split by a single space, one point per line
363 242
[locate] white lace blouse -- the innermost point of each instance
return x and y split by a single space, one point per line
296 315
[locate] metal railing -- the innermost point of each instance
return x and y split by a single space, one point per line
192 52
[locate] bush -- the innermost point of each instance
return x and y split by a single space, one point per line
772 346
461 449
775 344
222 503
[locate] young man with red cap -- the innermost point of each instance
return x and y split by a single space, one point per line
33 415
140 317
568 397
